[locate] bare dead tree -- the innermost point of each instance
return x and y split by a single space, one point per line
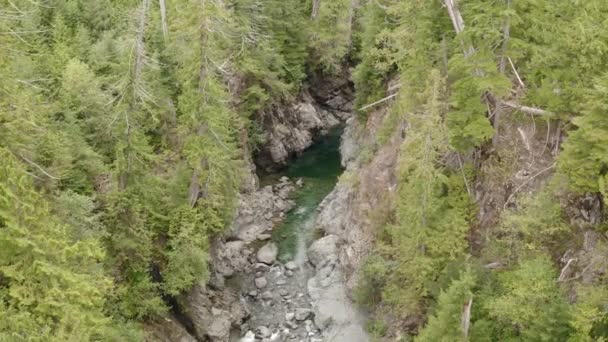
505 40
140 47
316 5
505 44
136 84
195 191
163 18
465 322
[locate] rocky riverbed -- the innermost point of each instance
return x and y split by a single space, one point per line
291 285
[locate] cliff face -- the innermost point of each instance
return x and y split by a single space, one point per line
356 208
290 128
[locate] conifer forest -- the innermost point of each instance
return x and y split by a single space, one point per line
303 170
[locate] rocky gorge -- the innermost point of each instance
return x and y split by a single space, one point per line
276 274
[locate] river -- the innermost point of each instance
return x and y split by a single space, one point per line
283 307
319 168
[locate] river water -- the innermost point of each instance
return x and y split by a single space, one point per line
319 168
286 291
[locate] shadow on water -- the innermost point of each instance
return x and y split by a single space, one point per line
319 167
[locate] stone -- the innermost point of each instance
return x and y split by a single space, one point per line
219 328
284 179
323 250
230 257
249 337
290 316
281 282
300 182
261 267
268 253
263 331
302 314
267 295
264 237
291 265
283 292
289 273
253 293
214 312
309 116
261 282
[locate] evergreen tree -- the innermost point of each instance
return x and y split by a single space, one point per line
432 206
585 157
446 323
530 306
52 287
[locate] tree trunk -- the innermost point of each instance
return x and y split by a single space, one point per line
195 191
123 178
140 48
466 318
316 5
163 18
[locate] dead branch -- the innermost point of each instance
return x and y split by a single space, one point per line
562 274
38 167
493 265
524 138
516 73
526 109
464 177
377 102
466 318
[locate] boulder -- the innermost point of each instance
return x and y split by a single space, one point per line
263 331
268 253
249 337
303 314
291 265
323 250
213 313
261 282
230 257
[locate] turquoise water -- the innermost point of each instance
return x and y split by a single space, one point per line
319 167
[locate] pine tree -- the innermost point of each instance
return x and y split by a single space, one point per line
531 306
453 305
585 157
432 206
52 287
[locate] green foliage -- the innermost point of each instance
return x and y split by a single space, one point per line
134 135
446 323
585 157
372 279
530 304
468 124
432 207
537 225
330 39
52 286
187 257
376 50
590 314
